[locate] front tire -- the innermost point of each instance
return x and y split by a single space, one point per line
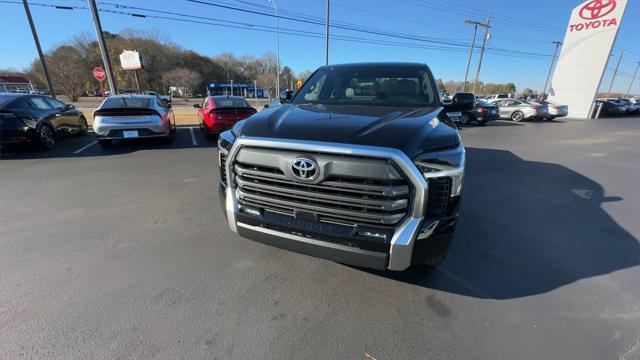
465 118
46 137
517 116
84 127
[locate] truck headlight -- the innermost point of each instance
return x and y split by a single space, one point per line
446 163
225 141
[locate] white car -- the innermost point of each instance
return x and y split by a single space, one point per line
133 116
555 109
518 110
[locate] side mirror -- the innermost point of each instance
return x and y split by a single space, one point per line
461 102
69 107
197 106
168 106
266 106
286 96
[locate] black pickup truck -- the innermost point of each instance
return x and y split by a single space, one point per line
362 166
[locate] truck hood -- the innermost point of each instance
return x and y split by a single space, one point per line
412 130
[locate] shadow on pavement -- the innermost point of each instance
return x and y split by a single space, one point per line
526 228
68 146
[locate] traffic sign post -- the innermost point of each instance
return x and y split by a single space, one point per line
99 74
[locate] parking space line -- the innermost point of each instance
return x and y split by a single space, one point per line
193 137
85 147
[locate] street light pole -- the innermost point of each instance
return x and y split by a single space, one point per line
632 79
615 72
40 54
473 44
103 46
484 42
275 7
553 59
326 51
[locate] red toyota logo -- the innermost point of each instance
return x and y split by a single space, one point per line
597 9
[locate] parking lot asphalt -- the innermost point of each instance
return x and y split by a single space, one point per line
123 253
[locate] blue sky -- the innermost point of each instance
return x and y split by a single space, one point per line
516 26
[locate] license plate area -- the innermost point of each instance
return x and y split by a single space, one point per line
130 133
454 115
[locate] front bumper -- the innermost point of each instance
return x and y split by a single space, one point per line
414 240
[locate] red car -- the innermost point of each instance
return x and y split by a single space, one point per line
219 113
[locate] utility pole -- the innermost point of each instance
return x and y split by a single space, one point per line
40 54
326 50
553 59
615 72
484 42
103 47
473 44
632 79
275 7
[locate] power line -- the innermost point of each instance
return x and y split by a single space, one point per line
370 32
268 29
465 10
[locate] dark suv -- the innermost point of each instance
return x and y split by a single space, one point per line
362 166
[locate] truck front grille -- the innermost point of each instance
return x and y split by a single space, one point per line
347 200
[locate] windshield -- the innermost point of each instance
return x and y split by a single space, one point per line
483 103
126 102
230 102
389 85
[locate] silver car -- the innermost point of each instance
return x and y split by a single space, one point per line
133 116
555 109
518 110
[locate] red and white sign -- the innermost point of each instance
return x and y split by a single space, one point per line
594 15
131 60
590 35
99 74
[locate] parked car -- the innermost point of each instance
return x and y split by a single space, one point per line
285 94
219 113
555 110
609 108
361 166
493 97
482 113
26 118
627 105
635 105
131 117
165 98
519 110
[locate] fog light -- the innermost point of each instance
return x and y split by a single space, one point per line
251 211
374 234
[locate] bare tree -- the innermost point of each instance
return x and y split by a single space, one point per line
68 70
184 79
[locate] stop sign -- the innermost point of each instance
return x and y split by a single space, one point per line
99 74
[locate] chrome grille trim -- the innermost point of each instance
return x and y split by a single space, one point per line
404 236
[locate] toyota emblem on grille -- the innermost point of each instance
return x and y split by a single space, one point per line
304 169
